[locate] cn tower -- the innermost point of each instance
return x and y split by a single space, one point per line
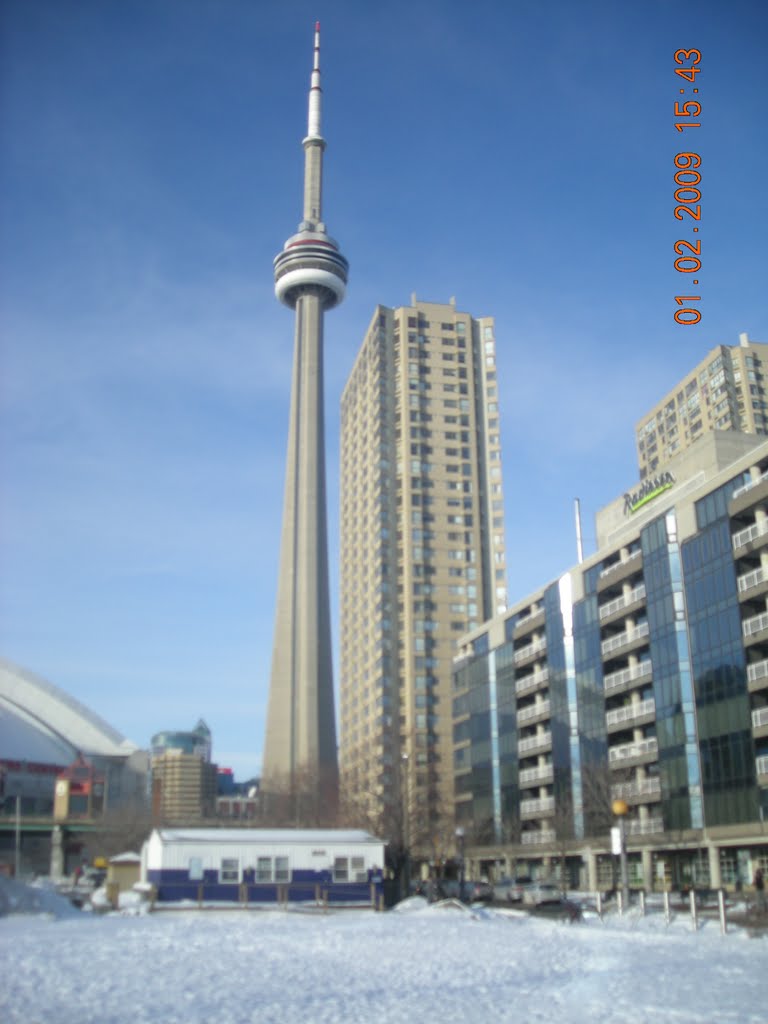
300 744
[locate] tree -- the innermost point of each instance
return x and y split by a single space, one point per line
121 829
306 799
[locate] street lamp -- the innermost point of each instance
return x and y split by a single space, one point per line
460 843
406 802
620 810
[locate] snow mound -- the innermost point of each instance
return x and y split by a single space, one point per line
20 898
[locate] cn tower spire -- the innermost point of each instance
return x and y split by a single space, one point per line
315 92
300 744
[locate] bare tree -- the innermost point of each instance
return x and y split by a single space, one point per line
305 800
121 829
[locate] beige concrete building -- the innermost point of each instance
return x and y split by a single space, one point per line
726 391
422 554
183 787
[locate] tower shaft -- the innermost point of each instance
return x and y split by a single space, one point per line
300 744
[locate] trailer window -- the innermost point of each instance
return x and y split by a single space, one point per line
341 869
264 869
358 869
230 869
282 873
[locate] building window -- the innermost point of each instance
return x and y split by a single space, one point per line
230 870
341 869
264 869
282 871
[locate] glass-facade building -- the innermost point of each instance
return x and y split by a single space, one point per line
640 676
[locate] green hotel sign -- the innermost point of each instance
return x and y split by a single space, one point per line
647 491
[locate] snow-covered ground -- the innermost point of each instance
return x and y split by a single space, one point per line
417 963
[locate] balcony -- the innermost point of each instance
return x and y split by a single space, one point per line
530 651
640 827
530 621
534 713
748 536
757 624
630 636
537 808
536 776
748 486
615 682
618 603
761 765
534 681
748 495
538 838
619 565
532 744
647 791
627 753
634 712
751 580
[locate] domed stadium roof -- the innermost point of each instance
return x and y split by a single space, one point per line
41 723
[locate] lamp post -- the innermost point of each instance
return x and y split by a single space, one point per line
405 798
620 810
460 844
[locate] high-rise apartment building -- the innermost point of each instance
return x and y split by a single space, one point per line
422 552
639 676
726 391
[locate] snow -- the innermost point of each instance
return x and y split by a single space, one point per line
420 962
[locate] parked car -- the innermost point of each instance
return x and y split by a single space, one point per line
477 892
510 890
541 892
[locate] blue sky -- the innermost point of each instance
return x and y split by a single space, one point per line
518 156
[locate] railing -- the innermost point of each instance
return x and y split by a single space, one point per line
759 717
761 764
748 486
526 714
614 643
631 711
638 827
527 618
616 680
622 602
751 579
539 806
531 681
758 670
750 533
542 739
754 625
530 649
618 565
529 776
538 838
631 790
627 751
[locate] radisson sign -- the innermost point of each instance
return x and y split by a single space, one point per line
647 491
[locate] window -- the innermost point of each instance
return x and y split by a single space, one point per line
282 871
341 869
264 869
230 870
